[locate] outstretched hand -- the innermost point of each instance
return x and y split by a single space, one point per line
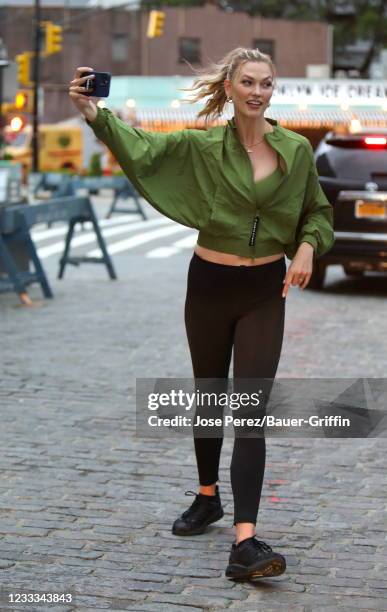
85 104
301 268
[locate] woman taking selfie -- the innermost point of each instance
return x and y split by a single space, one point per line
251 189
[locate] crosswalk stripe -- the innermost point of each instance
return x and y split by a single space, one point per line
161 252
167 251
89 237
186 242
130 243
53 232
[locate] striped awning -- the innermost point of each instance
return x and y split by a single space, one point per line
291 116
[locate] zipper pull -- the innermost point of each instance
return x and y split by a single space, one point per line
254 231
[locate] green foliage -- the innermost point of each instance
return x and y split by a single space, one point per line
373 23
95 168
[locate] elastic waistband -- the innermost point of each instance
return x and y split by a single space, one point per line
278 263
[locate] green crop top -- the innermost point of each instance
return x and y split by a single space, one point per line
204 179
265 187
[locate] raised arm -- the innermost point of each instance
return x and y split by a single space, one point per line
139 153
167 169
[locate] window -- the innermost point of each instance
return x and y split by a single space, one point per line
189 49
265 45
120 47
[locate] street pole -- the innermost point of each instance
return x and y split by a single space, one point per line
36 74
3 64
1 112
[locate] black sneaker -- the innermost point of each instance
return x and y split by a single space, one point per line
252 558
205 509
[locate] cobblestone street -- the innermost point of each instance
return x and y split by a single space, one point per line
86 506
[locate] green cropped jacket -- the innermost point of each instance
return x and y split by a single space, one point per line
204 179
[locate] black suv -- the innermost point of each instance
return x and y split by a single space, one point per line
353 174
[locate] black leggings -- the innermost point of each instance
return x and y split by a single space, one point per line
238 307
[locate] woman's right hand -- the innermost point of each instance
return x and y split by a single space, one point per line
84 104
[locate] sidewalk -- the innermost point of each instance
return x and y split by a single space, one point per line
87 508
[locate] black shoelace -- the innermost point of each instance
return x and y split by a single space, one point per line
196 506
262 545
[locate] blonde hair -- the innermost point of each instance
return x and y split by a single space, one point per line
209 81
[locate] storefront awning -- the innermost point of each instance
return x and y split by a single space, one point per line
157 102
311 117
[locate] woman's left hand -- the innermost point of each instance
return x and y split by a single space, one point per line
300 270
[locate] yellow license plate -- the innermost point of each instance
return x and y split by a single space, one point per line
370 209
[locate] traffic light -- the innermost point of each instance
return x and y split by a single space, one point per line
7 107
155 24
53 39
23 61
24 101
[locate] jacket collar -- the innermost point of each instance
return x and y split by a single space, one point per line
232 123
277 139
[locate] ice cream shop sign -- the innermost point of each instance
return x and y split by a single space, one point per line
334 91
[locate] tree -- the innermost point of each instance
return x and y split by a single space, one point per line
353 20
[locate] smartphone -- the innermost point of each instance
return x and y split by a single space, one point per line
99 86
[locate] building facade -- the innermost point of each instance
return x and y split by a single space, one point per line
206 34
114 40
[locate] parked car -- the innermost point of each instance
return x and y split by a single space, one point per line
353 174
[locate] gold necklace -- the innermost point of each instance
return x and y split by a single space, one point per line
248 147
